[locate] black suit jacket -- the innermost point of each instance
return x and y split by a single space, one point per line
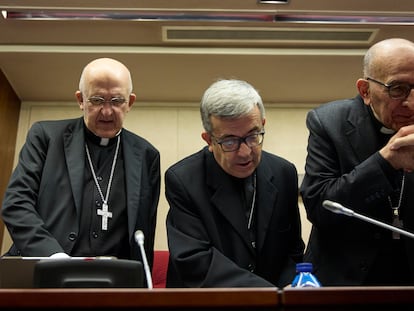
207 227
343 165
42 203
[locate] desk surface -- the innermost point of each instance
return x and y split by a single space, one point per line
325 298
348 298
348 295
155 299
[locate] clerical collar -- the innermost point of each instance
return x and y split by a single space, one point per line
386 130
379 125
100 141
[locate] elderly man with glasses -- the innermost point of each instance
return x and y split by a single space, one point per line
361 155
233 218
83 186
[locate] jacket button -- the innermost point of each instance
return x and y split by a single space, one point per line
72 236
251 267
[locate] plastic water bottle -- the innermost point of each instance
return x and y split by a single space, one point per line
304 276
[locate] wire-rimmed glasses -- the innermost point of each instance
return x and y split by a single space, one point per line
396 90
100 101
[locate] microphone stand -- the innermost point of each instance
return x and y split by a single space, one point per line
139 238
340 209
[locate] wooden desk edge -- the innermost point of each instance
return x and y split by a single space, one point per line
352 295
218 297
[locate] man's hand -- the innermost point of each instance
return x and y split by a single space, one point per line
399 151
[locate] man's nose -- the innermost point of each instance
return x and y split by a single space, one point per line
409 100
106 108
244 148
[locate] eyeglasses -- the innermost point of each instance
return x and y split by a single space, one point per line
233 143
100 101
396 91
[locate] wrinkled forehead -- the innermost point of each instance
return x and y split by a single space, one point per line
106 78
392 61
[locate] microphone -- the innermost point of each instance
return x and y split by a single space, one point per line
340 209
139 238
337 208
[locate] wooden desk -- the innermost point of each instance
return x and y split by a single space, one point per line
348 298
257 299
140 299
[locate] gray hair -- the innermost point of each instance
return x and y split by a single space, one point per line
229 99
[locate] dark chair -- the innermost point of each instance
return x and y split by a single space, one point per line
159 268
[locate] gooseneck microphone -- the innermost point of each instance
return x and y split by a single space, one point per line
139 238
340 209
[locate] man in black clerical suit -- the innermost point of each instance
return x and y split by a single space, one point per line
82 187
233 218
360 155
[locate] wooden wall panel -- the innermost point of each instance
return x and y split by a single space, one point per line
9 118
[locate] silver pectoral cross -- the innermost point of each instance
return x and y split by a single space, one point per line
396 222
105 213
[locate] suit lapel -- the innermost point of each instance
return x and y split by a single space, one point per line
267 195
226 197
361 129
132 159
73 139
231 206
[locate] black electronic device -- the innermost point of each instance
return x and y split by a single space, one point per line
88 273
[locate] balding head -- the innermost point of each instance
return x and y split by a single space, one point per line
386 53
387 83
103 68
106 79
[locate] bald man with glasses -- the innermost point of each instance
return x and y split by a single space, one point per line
233 218
83 186
361 155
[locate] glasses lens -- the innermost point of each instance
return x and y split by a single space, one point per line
117 101
253 140
400 91
229 144
96 101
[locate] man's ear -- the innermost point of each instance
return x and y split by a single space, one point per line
363 90
78 95
131 101
207 138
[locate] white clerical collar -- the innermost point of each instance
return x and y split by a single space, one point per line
105 141
386 130
383 129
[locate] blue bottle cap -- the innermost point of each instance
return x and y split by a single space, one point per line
304 267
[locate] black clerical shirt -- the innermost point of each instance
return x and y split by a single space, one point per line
92 240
